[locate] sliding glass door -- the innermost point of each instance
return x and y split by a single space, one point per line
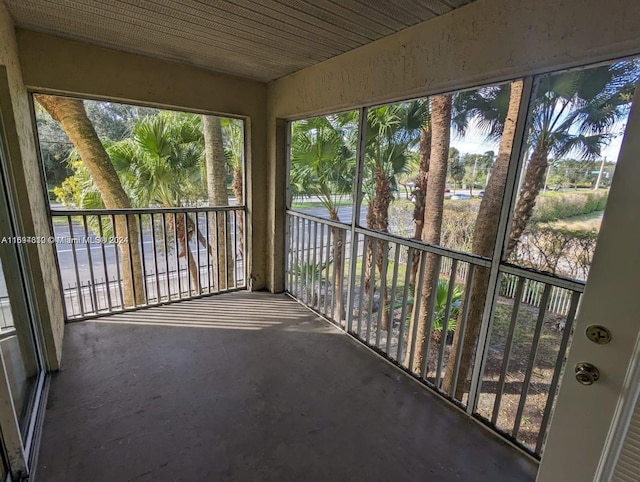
22 370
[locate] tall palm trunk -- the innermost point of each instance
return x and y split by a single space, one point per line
533 183
184 228
420 191
431 233
238 192
338 235
378 220
217 193
72 116
484 239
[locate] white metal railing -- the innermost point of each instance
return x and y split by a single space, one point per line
328 269
559 300
120 259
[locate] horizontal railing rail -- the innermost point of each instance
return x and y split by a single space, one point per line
109 212
373 284
111 260
560 298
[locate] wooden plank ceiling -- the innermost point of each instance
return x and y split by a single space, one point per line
259 39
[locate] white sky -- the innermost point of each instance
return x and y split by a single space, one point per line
475 143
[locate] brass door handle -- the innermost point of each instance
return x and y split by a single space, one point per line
586 373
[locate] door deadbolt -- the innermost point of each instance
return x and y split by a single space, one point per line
586 373
598 334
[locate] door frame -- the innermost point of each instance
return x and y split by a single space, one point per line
20 446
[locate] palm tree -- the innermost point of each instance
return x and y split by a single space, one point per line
216 176
573 112
233 136
487 103
323 165
456 167
161 164
72 116
392 130
323 159
420 191
440 108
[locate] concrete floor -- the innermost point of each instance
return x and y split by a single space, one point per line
249 387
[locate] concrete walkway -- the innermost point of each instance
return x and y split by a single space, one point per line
250 387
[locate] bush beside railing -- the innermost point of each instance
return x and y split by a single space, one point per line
552 206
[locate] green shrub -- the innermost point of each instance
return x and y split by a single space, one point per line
562 205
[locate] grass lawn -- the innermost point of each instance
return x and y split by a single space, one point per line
585 222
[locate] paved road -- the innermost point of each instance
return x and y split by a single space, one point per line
106 254
345 213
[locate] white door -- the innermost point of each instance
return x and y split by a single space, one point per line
584 434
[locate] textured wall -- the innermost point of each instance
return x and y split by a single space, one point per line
26 181
485 41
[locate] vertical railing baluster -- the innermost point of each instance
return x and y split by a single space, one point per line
104 296
116 254
392 297
234 246
131 270
226 250
217 250
383 294
532 358
506 357
75 265
320 269
142 255
362 290
328 288
104 262
197 232
343 254
295 254
209 250
187 251
334 272
289 253
166 255
310 298
154 250
562 351
431 316
69 292
462 328
416 308
303 265
405 299
295 257
445 321
92 288
176 248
